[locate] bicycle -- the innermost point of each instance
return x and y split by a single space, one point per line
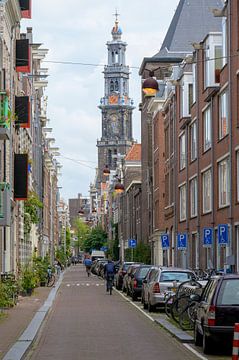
110 280
88 270
50 280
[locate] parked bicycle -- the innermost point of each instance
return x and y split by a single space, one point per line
50 277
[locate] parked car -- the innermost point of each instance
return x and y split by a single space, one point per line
127 277
145 285
135 283
120 274
217 312
165 279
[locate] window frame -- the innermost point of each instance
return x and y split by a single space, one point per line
182 202
206 210
221 134
193 134
193 196
221 181
182 160
207 129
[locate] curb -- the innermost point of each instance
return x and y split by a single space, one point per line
179 334
18 350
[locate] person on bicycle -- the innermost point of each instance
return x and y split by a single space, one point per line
88 263
49 273
109 272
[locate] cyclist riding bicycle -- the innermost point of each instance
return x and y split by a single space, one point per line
88 263
109 272
49 273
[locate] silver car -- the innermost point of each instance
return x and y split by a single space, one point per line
163 281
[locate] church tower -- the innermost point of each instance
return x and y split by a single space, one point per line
116 105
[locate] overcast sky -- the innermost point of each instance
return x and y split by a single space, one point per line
77 31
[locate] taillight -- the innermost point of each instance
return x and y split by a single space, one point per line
211 320
156 288
135 283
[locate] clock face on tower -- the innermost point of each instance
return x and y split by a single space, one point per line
114 124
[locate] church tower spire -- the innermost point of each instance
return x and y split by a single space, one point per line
116 106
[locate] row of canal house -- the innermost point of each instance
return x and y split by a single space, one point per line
28 166
190 140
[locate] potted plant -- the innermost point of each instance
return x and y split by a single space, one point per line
28 280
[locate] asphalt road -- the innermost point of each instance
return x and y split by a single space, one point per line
87 323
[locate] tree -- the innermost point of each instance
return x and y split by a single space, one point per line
95 239
81 231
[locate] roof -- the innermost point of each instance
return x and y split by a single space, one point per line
134 153
192 21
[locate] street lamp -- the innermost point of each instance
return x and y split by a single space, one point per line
119 187
150 85
106 171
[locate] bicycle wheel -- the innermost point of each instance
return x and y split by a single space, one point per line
179 306
184 321
168 306
51 281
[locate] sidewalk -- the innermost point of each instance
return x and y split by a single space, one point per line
15 320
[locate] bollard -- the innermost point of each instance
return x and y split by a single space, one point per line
235 344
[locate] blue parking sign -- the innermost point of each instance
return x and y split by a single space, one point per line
132 243
182 241
165 241
207 237
223 238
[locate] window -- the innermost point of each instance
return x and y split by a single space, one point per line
182 196
193 138
218 62
223 183
223 115
237 160
224 41
193 197
207 191
182 151
194 81
207 143
190 97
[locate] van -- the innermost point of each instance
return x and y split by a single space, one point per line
97 254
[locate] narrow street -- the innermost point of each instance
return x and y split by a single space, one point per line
87 323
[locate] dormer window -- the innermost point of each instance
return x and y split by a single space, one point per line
213 60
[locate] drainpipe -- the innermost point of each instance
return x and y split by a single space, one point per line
187 194
214 245
230 127
198 160
175 225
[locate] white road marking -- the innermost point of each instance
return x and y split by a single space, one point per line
68 285
77 284
152 319
87 284
195 352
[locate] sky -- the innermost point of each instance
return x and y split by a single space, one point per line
77 31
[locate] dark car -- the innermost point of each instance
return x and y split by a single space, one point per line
217 312
136 281
127 277
120 274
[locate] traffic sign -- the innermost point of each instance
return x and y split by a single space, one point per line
207 237
182 241
223 238
132 243
165 241
103 248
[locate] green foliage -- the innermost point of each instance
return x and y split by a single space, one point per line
61 256
28 279
8 292
141 253
40 266
95 239
31 211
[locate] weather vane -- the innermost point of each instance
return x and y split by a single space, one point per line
116 15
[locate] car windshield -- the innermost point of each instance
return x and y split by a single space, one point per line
175 276
229 292
143 272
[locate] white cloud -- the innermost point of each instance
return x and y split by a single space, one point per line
77 31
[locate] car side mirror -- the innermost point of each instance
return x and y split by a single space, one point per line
195 297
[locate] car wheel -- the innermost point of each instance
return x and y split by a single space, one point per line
197 336
151 307
145 305
206 344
